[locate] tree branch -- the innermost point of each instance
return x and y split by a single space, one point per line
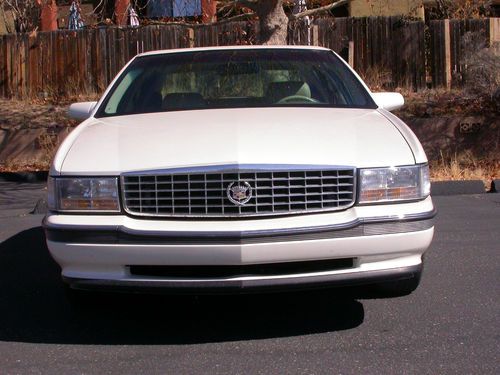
312 12
239 17
250 4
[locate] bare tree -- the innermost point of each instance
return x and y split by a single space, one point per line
461 9
26 13
273 21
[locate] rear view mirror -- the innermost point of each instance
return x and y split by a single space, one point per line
81 111
238 68
389 101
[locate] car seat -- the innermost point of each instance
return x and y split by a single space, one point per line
277 91
183 100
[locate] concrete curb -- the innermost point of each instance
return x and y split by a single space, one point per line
39 176
495 186
457 187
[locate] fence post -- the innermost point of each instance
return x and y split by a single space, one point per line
447 54
191 37
495 34
350 59
315 35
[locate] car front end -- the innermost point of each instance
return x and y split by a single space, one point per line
240 199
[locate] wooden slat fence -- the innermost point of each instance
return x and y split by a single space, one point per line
389 46
457 31
399 52
65 62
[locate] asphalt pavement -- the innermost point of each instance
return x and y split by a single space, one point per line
450 325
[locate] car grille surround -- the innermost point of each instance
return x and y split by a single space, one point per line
235 192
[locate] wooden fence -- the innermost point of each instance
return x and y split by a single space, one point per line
402 53
389 47
447 47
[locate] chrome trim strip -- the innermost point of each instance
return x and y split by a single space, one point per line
228 168
355 228
121 238
293 231
406 217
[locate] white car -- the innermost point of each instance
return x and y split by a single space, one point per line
239 169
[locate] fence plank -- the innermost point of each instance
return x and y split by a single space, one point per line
3 42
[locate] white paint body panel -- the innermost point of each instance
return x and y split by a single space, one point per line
409 136
317 136
101 261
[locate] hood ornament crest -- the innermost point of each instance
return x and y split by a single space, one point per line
239 192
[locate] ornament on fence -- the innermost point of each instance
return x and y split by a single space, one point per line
133 17
299 7
75 16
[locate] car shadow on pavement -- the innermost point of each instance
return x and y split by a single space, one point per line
34 308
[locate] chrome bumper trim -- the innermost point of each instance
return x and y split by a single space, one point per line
355 228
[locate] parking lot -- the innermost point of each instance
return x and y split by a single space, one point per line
449 325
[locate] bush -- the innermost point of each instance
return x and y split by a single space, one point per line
481 74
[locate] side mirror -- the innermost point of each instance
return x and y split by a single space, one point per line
81 111
389 100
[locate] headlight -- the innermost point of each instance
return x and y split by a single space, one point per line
83 194
394 184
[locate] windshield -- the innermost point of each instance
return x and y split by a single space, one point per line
234 79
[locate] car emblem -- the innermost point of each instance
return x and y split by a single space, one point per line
239 192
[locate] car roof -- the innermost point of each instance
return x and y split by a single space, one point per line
234 48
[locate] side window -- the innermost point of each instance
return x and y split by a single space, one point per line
119 93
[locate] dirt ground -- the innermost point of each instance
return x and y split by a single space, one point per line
17 114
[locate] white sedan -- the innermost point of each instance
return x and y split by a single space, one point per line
239 169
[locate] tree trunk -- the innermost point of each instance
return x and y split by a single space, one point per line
48 15
121 12
273 22
208 11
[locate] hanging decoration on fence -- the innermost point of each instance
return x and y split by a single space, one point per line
299 7
133 17
75 17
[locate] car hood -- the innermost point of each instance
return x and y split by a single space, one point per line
313 136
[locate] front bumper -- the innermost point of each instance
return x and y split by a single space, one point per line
382 243
246 285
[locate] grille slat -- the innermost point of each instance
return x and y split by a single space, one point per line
259 188
204 194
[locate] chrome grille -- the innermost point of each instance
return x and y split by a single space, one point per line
205 193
